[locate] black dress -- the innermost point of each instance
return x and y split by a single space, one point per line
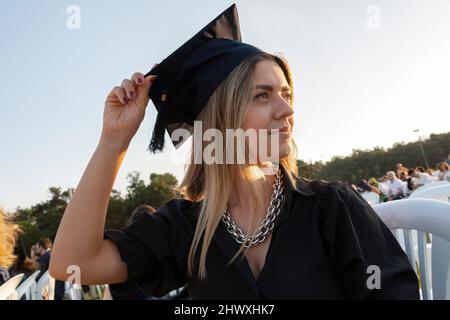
322 245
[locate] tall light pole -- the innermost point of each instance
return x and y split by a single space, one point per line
70 192
422 149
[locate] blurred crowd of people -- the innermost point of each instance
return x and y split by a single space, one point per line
14 259
402 181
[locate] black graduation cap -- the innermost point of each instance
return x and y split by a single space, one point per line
190 75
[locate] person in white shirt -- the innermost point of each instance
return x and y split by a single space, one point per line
421 178
431 175
437 172
444 172
383 186
395 187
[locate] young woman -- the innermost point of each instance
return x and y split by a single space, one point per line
444 173
238 233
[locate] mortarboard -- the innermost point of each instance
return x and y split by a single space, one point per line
190 75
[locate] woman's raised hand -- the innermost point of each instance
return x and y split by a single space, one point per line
124 110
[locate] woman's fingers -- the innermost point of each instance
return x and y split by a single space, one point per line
135 88
137 78
142 99
120 93
129 88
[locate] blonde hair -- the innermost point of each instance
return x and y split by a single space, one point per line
391 173
212 184
8 237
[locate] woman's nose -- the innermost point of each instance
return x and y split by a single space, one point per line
283 109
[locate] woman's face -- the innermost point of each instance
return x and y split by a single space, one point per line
270 108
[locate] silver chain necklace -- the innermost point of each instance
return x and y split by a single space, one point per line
267 224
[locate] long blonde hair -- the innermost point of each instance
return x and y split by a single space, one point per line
8 237
212 183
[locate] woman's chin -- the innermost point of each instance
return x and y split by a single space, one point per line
285 149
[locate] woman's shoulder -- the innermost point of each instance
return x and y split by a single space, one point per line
172 216
324 188
179 206
174 220
335 197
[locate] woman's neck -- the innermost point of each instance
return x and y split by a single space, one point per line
238 200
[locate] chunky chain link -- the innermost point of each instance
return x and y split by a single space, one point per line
267 224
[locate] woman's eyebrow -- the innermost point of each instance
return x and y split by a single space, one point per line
268 87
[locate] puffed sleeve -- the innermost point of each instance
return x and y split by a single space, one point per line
155 248
358 243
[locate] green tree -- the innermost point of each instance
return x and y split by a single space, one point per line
42 220
157 192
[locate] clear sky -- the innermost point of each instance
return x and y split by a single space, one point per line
367 73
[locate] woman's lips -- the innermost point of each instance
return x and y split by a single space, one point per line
281 131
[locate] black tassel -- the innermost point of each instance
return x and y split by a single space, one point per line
157 141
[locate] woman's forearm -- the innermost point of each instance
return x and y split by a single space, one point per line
80 234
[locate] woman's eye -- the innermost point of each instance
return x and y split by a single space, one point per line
261 95
287 97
